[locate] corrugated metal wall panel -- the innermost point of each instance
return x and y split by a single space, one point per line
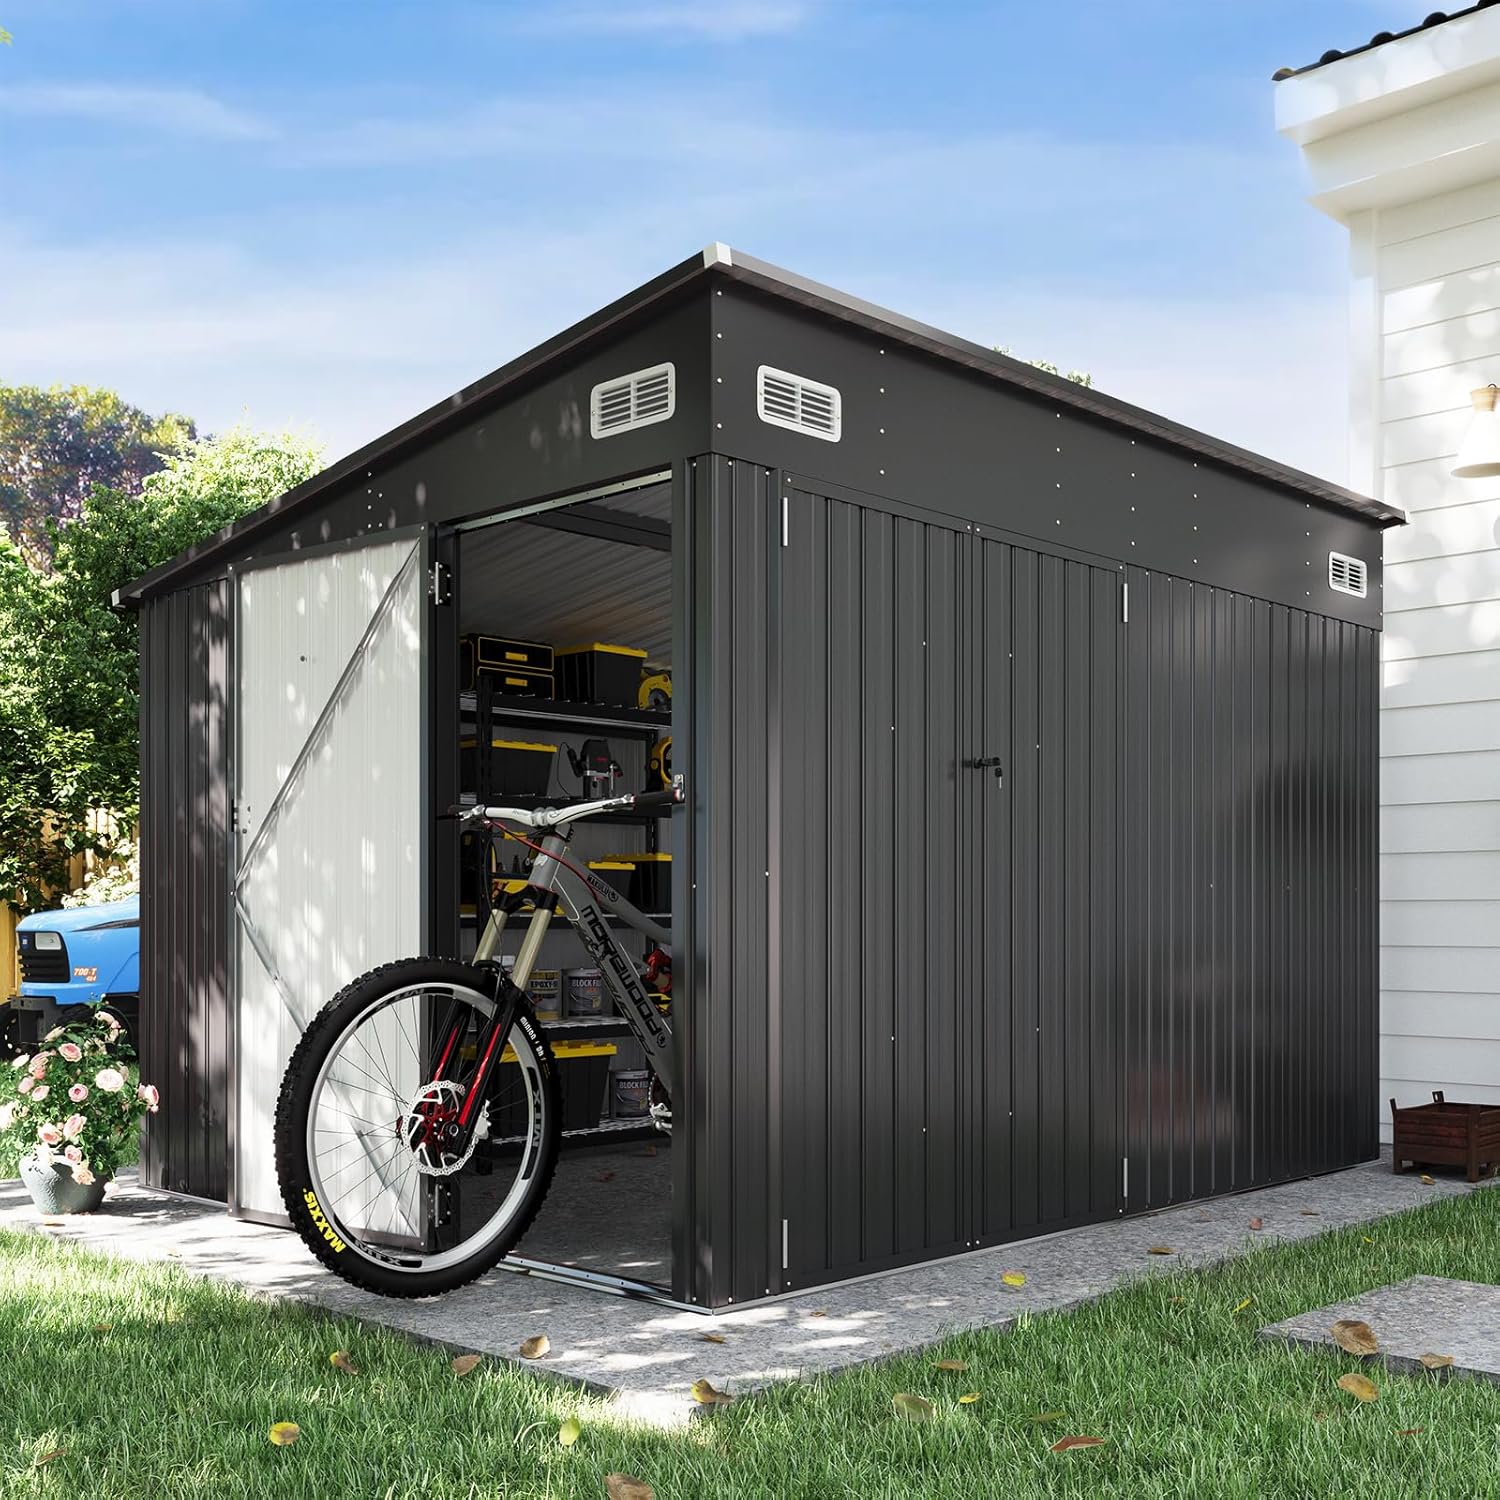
1249 891
184 888
726 1020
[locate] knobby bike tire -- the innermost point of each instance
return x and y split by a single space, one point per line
297 1099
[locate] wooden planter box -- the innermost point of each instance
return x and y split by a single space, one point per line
1447 1135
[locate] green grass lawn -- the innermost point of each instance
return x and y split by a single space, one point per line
154 1383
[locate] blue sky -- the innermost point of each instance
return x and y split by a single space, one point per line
329 214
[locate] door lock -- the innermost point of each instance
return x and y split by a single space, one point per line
991 763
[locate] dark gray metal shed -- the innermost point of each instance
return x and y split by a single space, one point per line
921 1007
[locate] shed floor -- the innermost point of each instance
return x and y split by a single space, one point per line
648 1355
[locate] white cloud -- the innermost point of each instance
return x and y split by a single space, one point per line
712 20
185 112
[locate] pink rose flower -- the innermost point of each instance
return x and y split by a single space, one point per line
73 1126
149 1096
70 1051
111 1080
49 1135
21 1063
26 1084
81 1175
39 1065
72 1153
39 1093
78 1093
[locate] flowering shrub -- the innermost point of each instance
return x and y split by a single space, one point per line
77 1100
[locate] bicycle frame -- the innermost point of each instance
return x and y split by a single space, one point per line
581 893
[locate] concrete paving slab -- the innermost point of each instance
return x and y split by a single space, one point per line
1423 1315
647 1356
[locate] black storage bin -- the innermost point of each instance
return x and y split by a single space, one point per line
616 872
511 682
582 1080
497 655
651 887
600 674
517 768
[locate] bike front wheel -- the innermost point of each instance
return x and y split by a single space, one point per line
364 1187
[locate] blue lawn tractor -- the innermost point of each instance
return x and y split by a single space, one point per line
74 962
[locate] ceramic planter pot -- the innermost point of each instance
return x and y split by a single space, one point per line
53 1190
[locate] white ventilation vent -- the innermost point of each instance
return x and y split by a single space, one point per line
1346 575
786 400
633 401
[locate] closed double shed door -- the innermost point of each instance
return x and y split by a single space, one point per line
948 999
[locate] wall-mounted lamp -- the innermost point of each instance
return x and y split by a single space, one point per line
1479 453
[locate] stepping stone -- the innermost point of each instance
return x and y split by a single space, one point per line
1425 1315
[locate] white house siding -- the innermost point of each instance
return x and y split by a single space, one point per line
1427 328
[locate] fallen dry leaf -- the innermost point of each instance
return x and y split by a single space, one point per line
820 1313
968 1398
463 1363
1435 1361
103 1327
1427 1181
179 1252
569 1432
536 1347
1410 1431
1311 1213
1157 1250
1014 1278
604 1177
1257 1223
913 1408
1047 1416
284 1434
627 1487
1063 1445
1239 1307
705 1394
1358 1387
1354 1337
341 1361
47 1458
1366 1238
648 1151
950 1364
713 1338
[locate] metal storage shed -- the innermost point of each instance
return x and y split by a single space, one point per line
924 1002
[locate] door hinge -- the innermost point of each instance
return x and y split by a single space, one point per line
440 584
786 520
1125 604
1124 1176
783 1245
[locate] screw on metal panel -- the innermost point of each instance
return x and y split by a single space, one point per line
719 380
882 390
882 432
882 471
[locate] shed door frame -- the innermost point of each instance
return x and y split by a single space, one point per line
245 849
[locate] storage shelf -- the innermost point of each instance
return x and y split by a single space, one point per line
519 920
645 722
586 1028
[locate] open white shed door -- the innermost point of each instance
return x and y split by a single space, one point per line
330 806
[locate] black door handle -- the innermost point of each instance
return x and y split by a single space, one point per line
990 762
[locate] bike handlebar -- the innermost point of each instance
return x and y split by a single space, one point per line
556 817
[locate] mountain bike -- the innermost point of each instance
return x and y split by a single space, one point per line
419 1121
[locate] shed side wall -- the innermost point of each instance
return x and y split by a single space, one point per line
185 1040
1249 985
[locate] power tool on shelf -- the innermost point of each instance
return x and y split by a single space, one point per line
596 768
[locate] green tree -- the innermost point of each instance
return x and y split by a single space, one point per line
58 443
69 685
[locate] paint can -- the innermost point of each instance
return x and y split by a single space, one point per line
630 1093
